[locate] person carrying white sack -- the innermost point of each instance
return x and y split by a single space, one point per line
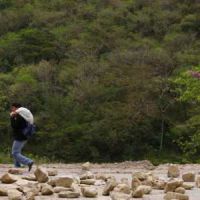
19 117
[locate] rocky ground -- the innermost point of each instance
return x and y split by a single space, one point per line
100 177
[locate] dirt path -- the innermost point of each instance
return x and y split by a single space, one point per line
119 170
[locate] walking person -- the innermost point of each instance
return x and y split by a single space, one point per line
19 117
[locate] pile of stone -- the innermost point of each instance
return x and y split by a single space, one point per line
45 182
41 183
176 187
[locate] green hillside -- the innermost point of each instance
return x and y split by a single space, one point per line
107 80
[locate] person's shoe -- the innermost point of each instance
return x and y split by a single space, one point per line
30 165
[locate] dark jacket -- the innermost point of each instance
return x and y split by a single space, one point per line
18 123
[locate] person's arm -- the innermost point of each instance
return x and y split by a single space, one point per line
17 122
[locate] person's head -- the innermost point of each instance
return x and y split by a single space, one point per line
15 106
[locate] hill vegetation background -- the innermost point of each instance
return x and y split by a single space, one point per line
107 80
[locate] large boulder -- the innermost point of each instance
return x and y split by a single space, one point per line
173 171
41 175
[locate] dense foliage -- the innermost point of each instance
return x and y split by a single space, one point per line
107 80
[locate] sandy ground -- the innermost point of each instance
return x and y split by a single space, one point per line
119 170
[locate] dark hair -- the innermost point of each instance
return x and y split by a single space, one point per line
16 105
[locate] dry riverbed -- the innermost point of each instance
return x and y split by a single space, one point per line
118 170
